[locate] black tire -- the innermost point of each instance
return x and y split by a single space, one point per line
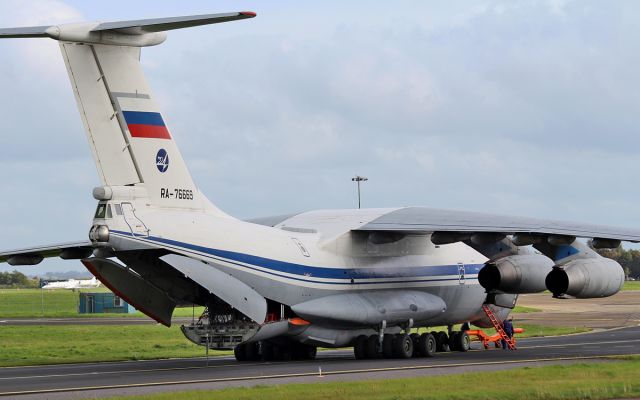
240 352
359 347
267 351
463 341
282 353
415 337
442 341
427 345
301 351
402 346
311 352
387 345
371 347
252 351
453 341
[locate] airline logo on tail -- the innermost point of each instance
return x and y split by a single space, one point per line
146 125
162 160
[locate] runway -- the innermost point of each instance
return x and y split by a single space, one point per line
136 377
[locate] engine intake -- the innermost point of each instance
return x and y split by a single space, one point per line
586 278
517 274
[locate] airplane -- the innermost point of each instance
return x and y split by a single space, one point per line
73 284
279 287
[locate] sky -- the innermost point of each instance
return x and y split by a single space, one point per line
526 108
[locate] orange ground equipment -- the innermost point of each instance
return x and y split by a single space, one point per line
500 334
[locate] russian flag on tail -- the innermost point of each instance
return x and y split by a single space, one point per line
146 125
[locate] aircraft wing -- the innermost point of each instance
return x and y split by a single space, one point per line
34 255
449 223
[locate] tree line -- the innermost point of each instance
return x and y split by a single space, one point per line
17 279
629 259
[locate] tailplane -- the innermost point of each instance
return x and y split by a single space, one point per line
131 144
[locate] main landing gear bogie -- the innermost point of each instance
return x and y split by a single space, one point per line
406 346
267 351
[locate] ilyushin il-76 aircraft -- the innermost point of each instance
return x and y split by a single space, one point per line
279 287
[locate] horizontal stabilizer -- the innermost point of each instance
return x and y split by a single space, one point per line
28 32
134 33
138 27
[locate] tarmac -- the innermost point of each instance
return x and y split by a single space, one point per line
143 377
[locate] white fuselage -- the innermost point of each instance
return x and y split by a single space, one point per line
310 255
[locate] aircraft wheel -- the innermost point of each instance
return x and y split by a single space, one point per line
403 346
252 351
300 351
442 341
387 346
240 352
415 337
283 353
463 341
371 347
268 351
453 341
311 352
359 347
427 346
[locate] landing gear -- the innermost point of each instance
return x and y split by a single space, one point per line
372 349
268 351
360 347
442 341
426 346
402 346
247 352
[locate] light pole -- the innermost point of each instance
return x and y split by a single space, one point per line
359 179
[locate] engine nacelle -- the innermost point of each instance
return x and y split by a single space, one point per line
586 278
524 273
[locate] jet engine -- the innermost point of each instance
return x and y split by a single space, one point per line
586 278
524 273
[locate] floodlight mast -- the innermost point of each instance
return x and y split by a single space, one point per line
359 179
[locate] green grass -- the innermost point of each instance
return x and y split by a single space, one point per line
58 344
62 303
619 379
524 309
631 285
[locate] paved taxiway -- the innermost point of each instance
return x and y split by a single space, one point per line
113 378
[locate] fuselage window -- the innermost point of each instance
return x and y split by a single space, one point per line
109 215
101 211
118 208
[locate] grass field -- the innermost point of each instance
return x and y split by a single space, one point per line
607 380
631 285
32 345
30 303
524 309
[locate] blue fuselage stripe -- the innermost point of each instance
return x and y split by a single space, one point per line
307 273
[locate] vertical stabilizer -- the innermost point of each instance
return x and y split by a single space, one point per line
130 141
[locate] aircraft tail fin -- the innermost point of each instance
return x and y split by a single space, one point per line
130 141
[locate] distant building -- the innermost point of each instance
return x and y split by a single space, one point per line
103 303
